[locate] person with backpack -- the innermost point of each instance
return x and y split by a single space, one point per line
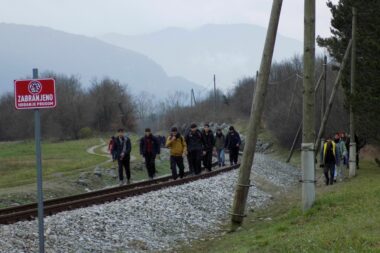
177 145
329 158
233 142
208 145
219 146
123 147
149 148
194 142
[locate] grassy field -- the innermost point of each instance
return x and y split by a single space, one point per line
345 218
64 163
18 166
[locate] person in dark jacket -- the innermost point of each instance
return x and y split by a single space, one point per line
208 145
149 148
194 142
329 159
122 149
233 142
220 140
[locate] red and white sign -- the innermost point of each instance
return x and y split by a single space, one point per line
35 94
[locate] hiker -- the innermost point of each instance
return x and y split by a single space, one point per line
329 160
194 144
220 139
123 149
177 145
233 142
208 145
341 152
149 148
111 148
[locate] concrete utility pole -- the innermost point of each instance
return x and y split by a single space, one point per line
308 122
352 160
332 96
243 184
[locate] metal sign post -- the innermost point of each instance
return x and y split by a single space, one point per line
36 94
37 136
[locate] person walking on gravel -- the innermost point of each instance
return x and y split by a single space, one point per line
194 144
149 148
123 149
329 158
177 145
219 146
208 141
233 142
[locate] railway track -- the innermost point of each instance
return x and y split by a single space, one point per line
53 206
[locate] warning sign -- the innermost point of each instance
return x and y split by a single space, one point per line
35 94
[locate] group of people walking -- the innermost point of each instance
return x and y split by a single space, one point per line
200 145
197 145
335 156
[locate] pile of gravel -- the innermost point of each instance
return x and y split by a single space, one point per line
154 221
279 173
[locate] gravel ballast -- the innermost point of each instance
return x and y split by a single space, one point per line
151 222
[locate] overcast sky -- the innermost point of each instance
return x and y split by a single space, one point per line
96 17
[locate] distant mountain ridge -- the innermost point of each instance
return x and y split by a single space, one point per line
24 47
230 51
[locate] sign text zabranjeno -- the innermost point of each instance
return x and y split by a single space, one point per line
35 94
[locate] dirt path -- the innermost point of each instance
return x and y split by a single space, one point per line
104 151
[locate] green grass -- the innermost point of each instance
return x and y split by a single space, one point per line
18 165
345 218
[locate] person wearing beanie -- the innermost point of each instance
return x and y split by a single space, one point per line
233 142
208 145
177 145
194 142
149 148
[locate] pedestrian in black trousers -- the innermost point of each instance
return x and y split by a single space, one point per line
194 144
149 149
209 142
122 150
233 142
329 159
177 145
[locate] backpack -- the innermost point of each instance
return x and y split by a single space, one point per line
329 155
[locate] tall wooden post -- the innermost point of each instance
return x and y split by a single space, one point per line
191 98
214 98
308 122
243 184
323 100
352 159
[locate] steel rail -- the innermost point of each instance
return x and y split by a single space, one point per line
53 206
